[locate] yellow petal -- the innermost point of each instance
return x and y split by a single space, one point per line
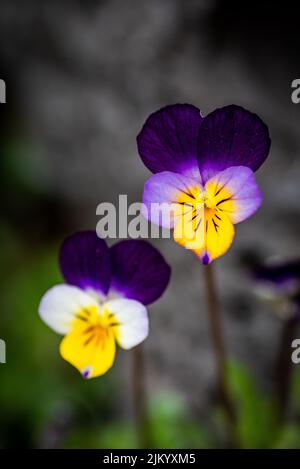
90 348
207 232
218 236
188 231
221 197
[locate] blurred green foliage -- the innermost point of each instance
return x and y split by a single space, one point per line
257 426
254 411
172 426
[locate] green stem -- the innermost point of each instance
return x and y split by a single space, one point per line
283 370
218 341
139 396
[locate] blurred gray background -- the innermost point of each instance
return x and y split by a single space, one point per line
83 76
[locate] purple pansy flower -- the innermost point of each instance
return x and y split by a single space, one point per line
104 300
280 281
204 172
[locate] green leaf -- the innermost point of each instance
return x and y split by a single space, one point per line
255 424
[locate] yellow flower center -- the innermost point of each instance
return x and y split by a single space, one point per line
202 218
208 200
95 323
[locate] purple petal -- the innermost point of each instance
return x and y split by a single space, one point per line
139 271
85 261
160 192
231 136
168 139
283 278
279 274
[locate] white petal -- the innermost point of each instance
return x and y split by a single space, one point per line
133 321
60 304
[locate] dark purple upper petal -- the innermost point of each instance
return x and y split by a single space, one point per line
279 274
168 140
85 261
139 271
231 136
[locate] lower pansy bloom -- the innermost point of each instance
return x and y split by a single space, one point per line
103 303
204 173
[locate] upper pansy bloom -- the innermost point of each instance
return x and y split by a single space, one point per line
204 168
103 302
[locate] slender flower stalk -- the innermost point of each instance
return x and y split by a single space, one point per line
218 341
280 284
139 396
283 366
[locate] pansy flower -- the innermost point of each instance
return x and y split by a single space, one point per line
280 283
103 302
204 169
